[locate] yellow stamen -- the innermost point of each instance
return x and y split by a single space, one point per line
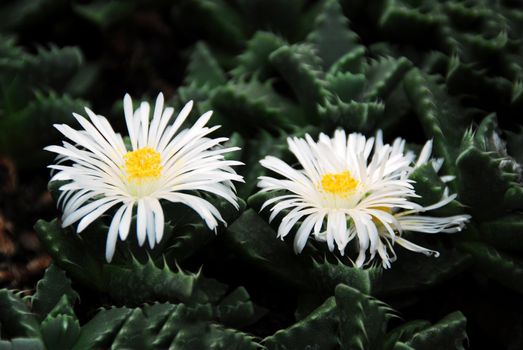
143 164
339 184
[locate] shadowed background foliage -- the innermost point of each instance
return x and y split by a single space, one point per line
419 69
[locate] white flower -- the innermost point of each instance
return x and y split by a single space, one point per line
163 163
354 188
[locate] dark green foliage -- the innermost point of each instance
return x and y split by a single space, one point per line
236 309
502 267
61 327
417 272
19 14
102 328
354 320
255 59
22 344
441 116
203 68
105 13
485 151
130 282
263 249
300 67
448 333
153 326
16 320
331 35
451 71
362 319
50 290
30 86
318 330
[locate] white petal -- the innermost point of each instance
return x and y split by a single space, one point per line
151 236
141 222
95 214
303 232
125 223
159 221
416 248
112 235
129 119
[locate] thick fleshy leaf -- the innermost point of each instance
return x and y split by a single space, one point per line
362 319
15 319
448 333
50 290
318 330
501 267
331 34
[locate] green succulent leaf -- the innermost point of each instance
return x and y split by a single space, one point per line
104 14
20 14
405 332
140 282
399 21
254 61
22 344
50 290
441 116
384 75
492 184
331 35
181 316
353 61
68 250
431 189
134 282
414 271
503 233
237 310
214 337
466 79
15 319
102 329
251 103
220 21
252 237
133 333
448 333
203 68
354 116
317 330
362 319
328 275
498 265
60 331
428 184
301 69
283 17
347 86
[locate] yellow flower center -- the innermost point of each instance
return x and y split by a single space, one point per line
143 164
339 184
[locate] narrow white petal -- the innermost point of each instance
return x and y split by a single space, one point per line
129 119
125 223
95 214
141 222
151 236
416 248
112 234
